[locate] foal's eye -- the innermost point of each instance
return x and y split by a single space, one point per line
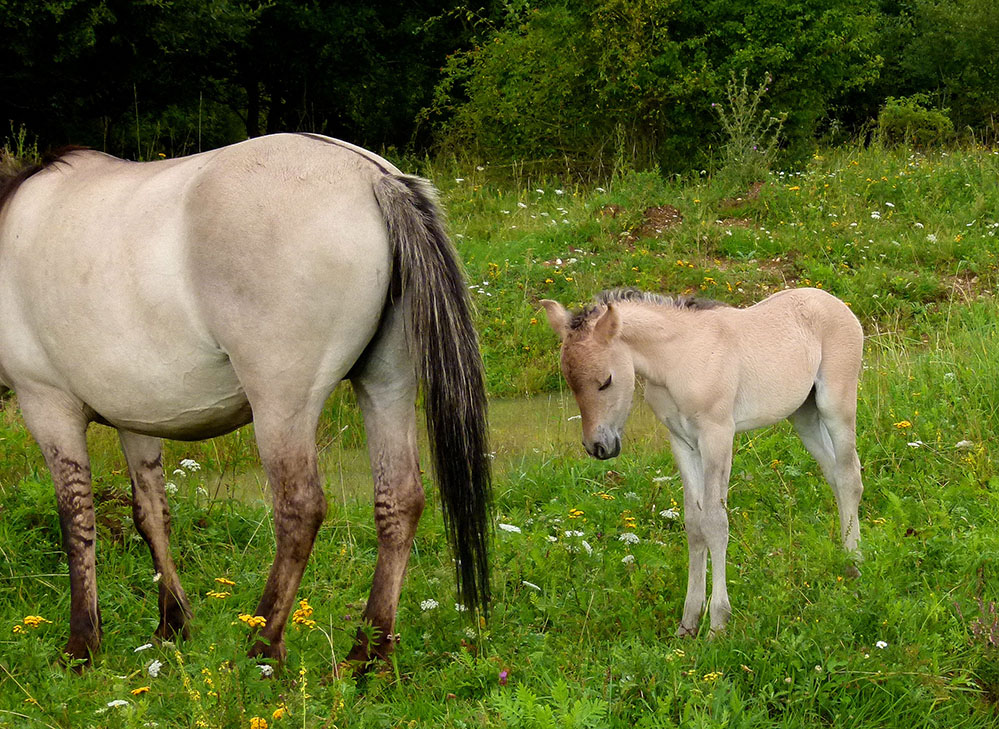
606 384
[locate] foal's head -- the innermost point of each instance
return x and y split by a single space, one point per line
600 372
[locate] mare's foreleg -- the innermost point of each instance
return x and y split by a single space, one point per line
152 518
388 403
60 428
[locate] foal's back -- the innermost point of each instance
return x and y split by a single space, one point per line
785 346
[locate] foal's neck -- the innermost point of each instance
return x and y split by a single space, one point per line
652 333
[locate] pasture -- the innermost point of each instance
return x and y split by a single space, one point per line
589 557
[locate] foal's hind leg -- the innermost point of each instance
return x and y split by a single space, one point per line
386 392
152 518
829 435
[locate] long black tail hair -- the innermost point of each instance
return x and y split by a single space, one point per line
446 352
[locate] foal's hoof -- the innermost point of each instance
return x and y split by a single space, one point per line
684 632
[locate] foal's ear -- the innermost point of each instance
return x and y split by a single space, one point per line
558 317
607 326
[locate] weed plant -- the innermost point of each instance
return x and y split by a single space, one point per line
590 557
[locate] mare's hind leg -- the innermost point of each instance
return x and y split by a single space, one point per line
386 391
828 434
60 429
286 440
152 518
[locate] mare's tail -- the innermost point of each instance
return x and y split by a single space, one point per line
446 353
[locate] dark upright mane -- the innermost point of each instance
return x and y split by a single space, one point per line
11 181
613 296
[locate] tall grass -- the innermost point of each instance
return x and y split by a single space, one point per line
582 630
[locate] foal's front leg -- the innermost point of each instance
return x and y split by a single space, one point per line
152 518
705 464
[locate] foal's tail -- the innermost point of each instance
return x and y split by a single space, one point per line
448 363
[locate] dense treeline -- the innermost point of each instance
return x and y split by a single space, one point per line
588 82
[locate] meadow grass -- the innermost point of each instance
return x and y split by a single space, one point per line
582 628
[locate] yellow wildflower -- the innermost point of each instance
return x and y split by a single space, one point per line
902 424
140 690
303 615
279 712
33 621
254 621
258 722
224 581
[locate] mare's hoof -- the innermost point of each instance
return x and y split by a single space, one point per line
174 621
78 653
275 651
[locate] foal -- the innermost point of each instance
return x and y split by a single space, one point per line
711 371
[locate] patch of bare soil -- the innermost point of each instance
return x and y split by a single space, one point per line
965 286
735 222
751 194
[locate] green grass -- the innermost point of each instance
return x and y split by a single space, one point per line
585 636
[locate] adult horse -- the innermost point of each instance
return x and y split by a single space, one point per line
184 298
711 371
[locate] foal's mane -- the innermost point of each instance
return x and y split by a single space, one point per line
613 296
11 178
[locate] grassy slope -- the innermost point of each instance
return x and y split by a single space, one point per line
593 645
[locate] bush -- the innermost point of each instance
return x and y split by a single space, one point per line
911 120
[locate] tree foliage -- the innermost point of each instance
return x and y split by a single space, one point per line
590 83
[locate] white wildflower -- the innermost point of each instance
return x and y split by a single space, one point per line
509 528
918 225
117 702
670 513
470 633
560 192
190 464
480 168
153 669
660 479
552 539
627 559
631 495
574 417
600 189
963 445
574 533
521 205
531 585
880 644
587 547
459 180
266 670
949 377
540 192
932 238
170 487
156 578
875 215
144 646
629 538
889 205
458 607
430 604
179 472
915 443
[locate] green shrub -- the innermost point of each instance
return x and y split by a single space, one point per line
911 120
